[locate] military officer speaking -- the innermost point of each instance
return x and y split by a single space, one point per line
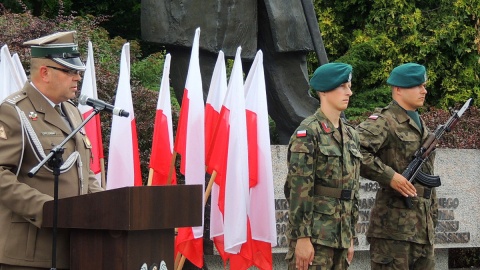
399 237
323 178
30 127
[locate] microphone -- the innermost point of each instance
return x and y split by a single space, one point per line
102 105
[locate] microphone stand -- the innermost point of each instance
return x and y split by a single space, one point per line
55 161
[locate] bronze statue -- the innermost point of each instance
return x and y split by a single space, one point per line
277 27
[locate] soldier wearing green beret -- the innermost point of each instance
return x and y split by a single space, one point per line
30 127
399 237
323 178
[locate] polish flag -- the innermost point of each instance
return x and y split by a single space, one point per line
19 68
261 212
190 144
162 145
10 80
216 94
230 160
93 127
123 155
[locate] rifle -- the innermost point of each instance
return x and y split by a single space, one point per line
412 172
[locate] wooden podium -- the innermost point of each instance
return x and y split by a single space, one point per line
126 227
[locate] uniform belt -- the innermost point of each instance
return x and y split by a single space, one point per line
343 194
423 192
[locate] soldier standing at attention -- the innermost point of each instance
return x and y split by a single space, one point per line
31 126
323 178
399 237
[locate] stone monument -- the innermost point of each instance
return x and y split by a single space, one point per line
277 27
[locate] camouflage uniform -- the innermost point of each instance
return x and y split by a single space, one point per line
321 162
389 139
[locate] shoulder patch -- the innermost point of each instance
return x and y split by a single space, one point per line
373 117
3 134
301 133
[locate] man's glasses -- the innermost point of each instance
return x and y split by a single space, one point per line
71 72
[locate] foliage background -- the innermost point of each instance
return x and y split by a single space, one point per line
372 35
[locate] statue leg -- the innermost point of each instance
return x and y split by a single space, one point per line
179 69
286 79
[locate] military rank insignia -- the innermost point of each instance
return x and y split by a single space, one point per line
33 116
325 127
301 133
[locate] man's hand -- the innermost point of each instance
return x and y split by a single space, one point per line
303 253
350 252
403 186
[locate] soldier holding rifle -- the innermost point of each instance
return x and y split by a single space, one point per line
400 237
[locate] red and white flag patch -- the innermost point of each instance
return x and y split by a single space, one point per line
373 117
301 133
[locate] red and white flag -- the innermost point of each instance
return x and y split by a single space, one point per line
190 144
216 95
93 127
162 143
19 68
10 80
230 160
123 155
262 202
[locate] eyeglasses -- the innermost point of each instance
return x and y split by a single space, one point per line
71 72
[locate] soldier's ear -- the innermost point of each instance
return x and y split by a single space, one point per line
44 73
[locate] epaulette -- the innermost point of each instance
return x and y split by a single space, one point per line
15 99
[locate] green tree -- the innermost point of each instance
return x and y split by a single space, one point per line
375 36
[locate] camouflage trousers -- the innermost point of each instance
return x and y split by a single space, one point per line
325 258
393 254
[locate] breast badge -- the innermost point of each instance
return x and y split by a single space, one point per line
33 116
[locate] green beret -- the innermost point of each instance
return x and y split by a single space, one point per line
59 47
330 76
408 75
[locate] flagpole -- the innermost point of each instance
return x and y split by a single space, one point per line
150 177
172 166
102 172
208 190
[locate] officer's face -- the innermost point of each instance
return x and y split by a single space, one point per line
63 83
412 98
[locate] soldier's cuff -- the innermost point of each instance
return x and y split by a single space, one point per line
301 231
386 177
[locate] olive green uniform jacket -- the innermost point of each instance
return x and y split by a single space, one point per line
22 240
389 139
320 157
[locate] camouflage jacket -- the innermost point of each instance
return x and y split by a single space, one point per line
322 157
389 138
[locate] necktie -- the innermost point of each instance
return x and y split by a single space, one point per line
59 110
64 118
